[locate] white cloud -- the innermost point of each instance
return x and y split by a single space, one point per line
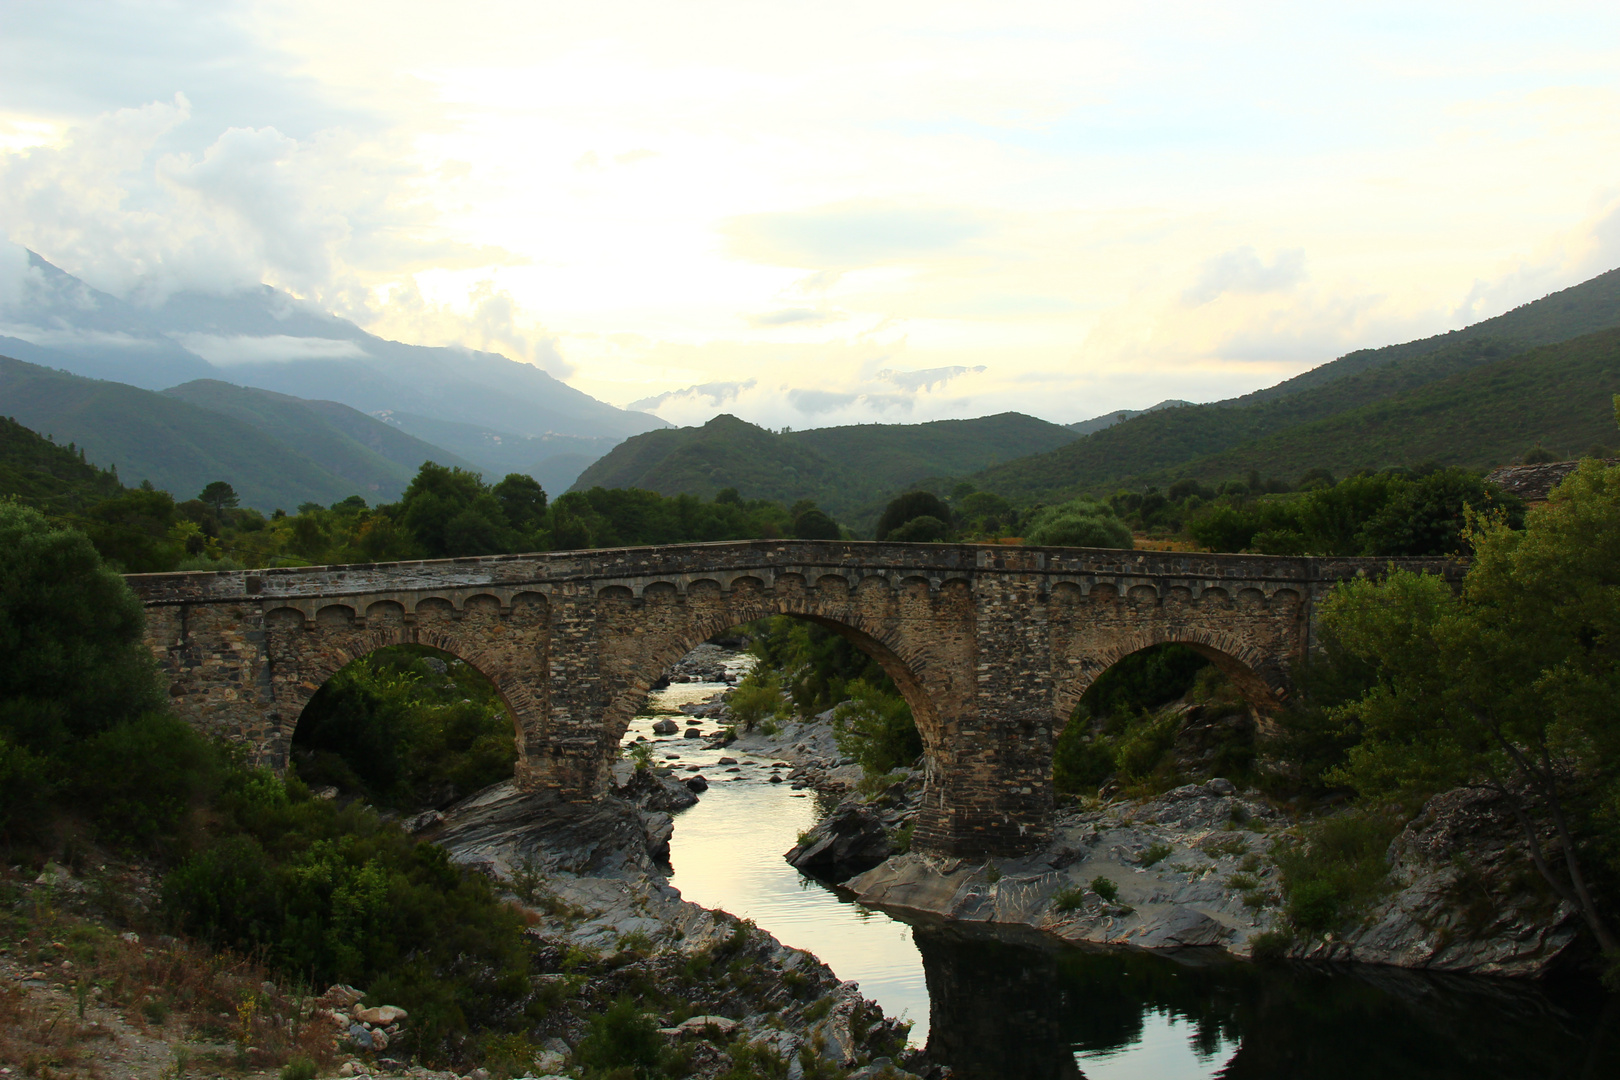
278 348
711 394
1243 271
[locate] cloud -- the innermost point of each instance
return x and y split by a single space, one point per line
916 381
851 234
715 394
816 402
244 349
490 318
794 316
1242 271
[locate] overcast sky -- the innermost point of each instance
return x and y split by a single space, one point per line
810 214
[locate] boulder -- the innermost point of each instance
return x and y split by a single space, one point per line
381 1016
720 1025
665 727
848 841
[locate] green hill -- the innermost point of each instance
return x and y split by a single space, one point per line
849 471
175 444
1560 396
376 459
1159 442
49 477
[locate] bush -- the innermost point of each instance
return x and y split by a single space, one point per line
72 659
908 507
1069 899
1336 868
920 530
756 699
405 727
145 807
622 1038
1105 888
875 727
1081 523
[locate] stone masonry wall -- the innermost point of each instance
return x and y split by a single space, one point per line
992 646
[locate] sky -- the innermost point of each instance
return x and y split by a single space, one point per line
832 213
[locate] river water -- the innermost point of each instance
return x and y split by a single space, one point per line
1012 1004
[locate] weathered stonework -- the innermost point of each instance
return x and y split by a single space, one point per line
992 646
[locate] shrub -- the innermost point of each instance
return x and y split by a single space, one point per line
1081 523
72 659
1154 853
1337 868
1072 898
145 807
875 727
757 698
621 1037
1105 888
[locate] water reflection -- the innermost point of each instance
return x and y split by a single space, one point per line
1011 1005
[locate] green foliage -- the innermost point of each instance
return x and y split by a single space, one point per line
393 729
1072 898
814 524
336 895
1514 683
301 1067
621 1038
25 790
815 664
1336 868
848 471
875 727
1079 523
920 530
911 506
146 807
72 662
1388 513
48 477
756 699
1116 727
451 512
1154 853
1468 398
1105 888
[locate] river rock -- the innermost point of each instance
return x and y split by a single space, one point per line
665 727
1466 898
381 1016
697 784
851 839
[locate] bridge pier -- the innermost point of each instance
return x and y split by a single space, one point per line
992 646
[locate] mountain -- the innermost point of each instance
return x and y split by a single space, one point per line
49 477
1159 442
850 471
378 460
1108 420
554 460
180 446
265 338
1560 396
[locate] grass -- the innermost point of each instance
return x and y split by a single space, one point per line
1215 847
1336 868
1154 853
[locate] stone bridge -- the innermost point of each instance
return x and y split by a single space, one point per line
991 645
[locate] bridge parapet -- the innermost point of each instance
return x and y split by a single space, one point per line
991 645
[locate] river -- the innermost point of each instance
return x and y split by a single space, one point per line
1003 1003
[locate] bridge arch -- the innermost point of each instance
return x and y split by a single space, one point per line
305 653
879 639
1240 661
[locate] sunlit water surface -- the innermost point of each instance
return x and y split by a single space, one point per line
1010 1004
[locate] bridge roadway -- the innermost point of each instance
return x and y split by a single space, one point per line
991 645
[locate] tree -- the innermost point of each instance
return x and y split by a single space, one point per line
522 500
72 659
1512 685
1081 523
451 512
908 507
814 524
220 496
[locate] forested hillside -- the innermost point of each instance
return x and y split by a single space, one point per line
181 446
1161 442
850 471
49 477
